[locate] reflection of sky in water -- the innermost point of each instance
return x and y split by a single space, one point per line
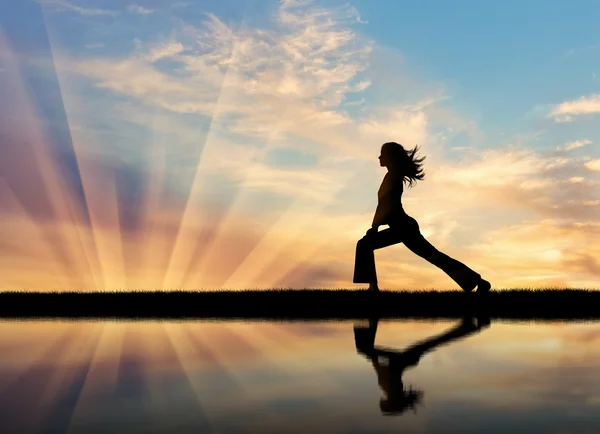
292 377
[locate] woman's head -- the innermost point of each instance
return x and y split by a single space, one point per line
399 404
396 158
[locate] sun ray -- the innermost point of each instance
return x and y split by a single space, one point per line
234 214
62 233
153 258
192 213
99 190
19 231
285 232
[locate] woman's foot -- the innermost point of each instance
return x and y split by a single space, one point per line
373 287
483 286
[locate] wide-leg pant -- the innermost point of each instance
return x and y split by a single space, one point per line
406 230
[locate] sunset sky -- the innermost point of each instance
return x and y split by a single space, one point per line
221 144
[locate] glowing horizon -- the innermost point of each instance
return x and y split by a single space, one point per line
167 146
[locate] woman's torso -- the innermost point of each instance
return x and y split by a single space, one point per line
390 196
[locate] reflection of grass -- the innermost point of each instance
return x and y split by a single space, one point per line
304 304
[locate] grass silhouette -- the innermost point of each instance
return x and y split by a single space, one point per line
309 304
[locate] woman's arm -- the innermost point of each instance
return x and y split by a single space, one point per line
389 195
386 206
380 216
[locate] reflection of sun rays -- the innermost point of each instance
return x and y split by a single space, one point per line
78 376
74 374
48 380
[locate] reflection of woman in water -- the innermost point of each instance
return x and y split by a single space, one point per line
403 166
390 372
389 377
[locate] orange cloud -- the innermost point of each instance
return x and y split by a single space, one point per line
565 111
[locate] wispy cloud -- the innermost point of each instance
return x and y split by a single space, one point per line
137 9
574 145
164 51
66 6
565 112
294 75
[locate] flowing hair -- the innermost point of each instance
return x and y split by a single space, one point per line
410 166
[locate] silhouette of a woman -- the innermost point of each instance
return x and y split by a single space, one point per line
403 166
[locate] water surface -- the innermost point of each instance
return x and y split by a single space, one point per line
229 377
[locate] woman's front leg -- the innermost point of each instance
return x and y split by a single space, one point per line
364 266
364 263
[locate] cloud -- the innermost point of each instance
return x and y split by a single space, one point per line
521 179
574 145
563 119
540 248
137 9
289 4
407 124
66 6
566 111
310 58
287 80
164 50
497 167
593 165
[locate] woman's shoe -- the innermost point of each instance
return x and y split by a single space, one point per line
483 286
373 287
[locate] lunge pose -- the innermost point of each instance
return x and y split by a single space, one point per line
404 167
